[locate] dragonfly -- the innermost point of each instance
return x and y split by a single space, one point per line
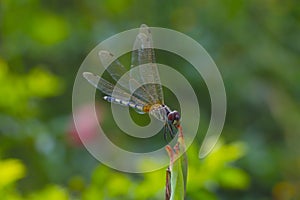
141 89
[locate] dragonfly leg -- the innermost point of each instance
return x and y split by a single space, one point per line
165 133
170 129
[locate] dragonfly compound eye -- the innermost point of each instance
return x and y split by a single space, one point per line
171 116
174 117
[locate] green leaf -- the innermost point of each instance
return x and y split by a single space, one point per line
177 181
178 168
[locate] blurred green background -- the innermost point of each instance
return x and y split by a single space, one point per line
255 44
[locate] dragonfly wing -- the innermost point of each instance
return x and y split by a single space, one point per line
114 67
117 70
110 89
144 54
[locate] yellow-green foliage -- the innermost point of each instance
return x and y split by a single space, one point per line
204 177
51 192
217 169
18 92
11 170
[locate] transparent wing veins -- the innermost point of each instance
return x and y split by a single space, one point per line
110 89
144 54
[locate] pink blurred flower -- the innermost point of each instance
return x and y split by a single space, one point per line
86 125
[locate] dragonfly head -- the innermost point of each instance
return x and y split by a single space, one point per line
174 117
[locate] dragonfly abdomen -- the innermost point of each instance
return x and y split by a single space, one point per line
137 107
